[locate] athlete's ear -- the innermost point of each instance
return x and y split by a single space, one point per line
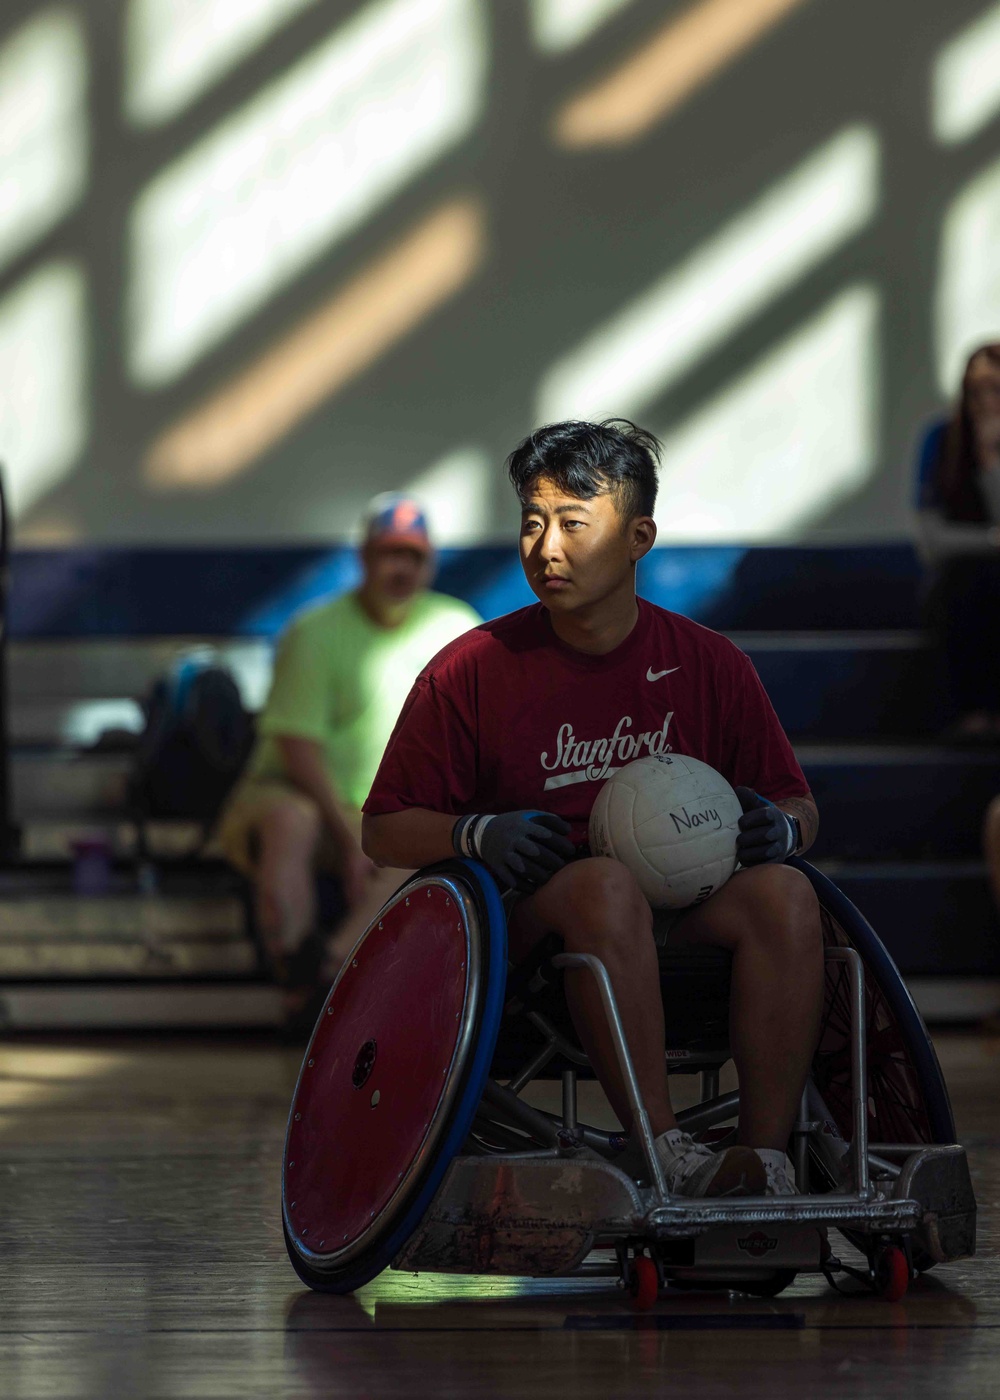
642 536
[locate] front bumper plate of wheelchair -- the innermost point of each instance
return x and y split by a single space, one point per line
542 1214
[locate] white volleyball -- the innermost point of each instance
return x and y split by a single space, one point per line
673 821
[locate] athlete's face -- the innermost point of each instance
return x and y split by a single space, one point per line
576 553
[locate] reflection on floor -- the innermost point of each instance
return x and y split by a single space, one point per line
142 1256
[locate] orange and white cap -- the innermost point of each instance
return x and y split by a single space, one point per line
398 520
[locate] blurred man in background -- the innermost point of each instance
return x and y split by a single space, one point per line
342 672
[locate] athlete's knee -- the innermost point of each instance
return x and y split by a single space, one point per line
602 901
784 910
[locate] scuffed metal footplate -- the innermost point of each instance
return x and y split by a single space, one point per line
541 1214
525 1214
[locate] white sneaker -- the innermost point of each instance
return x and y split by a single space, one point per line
692 1169
780 1172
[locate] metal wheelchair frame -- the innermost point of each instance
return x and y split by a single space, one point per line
523 1192
496 1212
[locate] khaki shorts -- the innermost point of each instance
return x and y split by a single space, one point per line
238 827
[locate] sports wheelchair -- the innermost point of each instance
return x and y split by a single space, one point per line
410 1146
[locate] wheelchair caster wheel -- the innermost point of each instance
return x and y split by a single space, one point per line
643 1284
892 1273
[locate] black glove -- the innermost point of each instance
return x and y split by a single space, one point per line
766 832
523 849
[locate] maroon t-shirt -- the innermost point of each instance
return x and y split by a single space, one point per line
508 717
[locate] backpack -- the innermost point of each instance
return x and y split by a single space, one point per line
197 738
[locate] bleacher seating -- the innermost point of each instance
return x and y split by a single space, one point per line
170 942
834 633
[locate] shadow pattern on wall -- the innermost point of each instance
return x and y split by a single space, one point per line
403 322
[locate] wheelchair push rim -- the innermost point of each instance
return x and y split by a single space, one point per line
392 1076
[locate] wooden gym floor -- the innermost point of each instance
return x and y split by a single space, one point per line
141 1256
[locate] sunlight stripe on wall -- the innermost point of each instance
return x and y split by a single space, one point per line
456 491
303 164
558 25
176 49
44 406
324 353
43 128
626 363
764 459
967 295
966 80
682 56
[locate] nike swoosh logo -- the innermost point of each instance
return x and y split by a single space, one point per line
652 675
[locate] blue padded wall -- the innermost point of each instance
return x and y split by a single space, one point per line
253 592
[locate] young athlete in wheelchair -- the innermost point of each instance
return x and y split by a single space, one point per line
496 758
533 711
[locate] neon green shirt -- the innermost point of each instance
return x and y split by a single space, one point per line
341 679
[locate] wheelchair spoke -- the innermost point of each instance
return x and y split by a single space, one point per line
895 1106
897 1112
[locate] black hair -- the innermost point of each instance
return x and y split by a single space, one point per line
591 459
957 469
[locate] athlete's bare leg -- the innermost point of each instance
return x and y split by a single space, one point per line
768 918
595 906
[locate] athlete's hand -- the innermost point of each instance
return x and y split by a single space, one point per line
766 832
524 849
